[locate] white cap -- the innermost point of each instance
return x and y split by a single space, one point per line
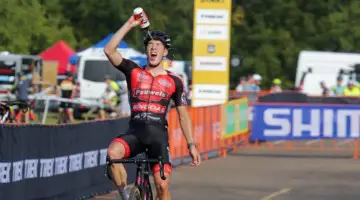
257 77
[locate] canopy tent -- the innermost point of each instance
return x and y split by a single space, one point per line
97 50
61 53
103 42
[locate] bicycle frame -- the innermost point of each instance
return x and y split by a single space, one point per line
143 179
142 172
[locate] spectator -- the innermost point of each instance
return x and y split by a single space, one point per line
276 87
22 88
66 90
325 90
124 105
240 86
109 100
257 80
112 83
352 90
339 89
253 83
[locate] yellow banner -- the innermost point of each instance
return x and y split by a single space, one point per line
213 4
211 52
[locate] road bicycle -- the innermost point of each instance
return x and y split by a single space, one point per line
142 188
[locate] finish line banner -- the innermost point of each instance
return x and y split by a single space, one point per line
305 121
211 52
57 162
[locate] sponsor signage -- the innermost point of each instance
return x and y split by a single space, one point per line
274 122
68 162
210 63
211 32
209 16
234 118
211 51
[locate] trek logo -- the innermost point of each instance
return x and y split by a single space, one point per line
48 167
151 107
314 122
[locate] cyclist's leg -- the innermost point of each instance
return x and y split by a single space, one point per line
27 113
161 148
61 112
70 112
124 146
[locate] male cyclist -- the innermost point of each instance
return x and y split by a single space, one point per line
150 88
66 90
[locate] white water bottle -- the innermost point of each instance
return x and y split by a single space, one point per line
140 14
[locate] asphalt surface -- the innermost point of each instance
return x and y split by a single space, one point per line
260 174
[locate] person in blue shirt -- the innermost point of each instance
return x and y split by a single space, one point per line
22 88
339 88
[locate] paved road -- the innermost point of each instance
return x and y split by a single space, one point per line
269 175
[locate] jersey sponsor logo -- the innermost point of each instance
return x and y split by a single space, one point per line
164 82
153 94
143 77
151 107
145 116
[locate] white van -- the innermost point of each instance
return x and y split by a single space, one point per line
91 78
324 66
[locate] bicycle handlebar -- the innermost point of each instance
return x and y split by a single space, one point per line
142 161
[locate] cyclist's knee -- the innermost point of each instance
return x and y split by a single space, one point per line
118 149
162 186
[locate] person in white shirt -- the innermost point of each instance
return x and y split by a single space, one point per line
108 100
124 109
240 86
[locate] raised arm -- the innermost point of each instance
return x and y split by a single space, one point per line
110 49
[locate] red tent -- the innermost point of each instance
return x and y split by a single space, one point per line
59 52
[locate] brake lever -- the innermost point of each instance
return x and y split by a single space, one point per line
161 164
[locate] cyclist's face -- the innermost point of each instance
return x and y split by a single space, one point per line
155 52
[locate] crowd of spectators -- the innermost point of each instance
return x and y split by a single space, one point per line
252 83
340 89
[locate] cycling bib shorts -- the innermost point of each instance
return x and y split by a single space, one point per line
150 99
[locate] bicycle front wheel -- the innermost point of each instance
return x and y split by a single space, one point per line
136 193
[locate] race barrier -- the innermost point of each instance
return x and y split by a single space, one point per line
67 161
217 129
56 162
329 127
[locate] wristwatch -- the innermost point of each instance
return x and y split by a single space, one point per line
190 144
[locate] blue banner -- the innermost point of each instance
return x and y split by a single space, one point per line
305 121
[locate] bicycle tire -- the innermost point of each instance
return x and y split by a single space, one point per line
136 193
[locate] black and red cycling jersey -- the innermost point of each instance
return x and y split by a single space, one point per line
150 97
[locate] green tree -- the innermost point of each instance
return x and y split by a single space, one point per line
27 29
